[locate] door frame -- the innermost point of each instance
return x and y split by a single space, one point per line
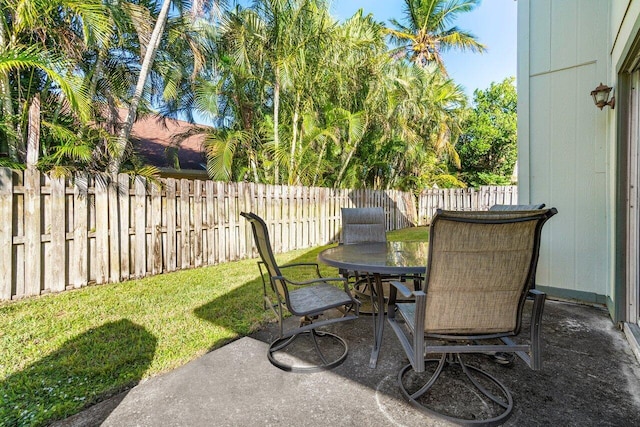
632 205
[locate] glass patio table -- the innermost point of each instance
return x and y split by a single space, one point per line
376 260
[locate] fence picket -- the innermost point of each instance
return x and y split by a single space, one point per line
197 223
185 224
140 215
101 232
79 262
114 233
221 242
171 241
6 233
155 224
32 234
211 223
58 244
124 202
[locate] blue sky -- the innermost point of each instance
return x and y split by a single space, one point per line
493 23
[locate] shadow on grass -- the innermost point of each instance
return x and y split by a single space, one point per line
83 371
241 310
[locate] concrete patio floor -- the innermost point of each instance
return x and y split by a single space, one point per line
590 377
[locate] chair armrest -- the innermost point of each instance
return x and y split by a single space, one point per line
534 292
402 288
303 264
311 281
298 264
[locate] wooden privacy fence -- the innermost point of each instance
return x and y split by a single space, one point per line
57 234
464 199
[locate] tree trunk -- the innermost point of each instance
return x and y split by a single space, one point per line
7 105
149 56
254 167
33 133
276 118
319 162
344 166
97 71
292 176
8 113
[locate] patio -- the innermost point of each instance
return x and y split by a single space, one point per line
589 377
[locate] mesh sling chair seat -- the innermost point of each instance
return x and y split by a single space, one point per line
365 225
308 300
508 358
480 270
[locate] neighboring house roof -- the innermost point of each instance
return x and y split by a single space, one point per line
155 143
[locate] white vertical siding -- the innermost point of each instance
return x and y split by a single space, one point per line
540 36
563 135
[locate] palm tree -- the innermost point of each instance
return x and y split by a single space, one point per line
145 68
417 123
427 31
41 43
232 95
351 64
148 53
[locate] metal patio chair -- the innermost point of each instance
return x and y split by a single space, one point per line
480 269
309 300
361 225
365 225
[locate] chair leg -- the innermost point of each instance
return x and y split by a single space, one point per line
363 290
421 399
319 339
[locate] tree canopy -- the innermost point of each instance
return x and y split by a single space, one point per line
294 95
427 30
488 147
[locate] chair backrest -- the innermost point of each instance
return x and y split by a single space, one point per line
516 207
363 225
480 268
263 244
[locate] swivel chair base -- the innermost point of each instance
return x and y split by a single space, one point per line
320 363
501 405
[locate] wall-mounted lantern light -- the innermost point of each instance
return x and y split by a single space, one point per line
601 96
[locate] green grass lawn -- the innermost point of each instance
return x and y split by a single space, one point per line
417 234
61 353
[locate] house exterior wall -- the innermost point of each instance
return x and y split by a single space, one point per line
566 154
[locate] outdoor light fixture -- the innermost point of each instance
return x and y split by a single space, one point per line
601 96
